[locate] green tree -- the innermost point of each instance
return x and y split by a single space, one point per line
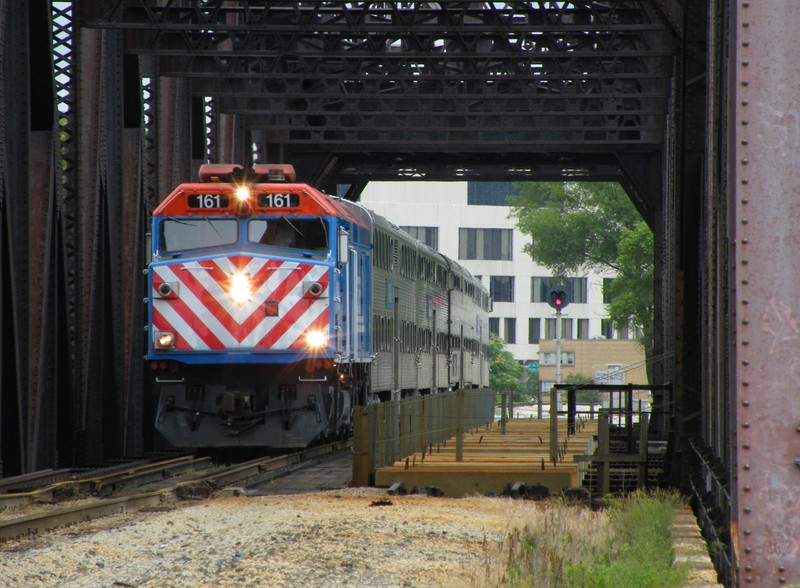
631 292
583 392
573 227
505 372
532 386
579 227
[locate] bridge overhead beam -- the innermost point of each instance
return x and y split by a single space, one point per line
536 76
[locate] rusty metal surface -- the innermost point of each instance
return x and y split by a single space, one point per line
766 197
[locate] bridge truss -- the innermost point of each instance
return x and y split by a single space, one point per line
106 105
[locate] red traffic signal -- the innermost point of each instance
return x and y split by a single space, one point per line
558 297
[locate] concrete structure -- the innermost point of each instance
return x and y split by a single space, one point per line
483 238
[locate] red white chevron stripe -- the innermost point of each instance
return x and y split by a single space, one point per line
205 316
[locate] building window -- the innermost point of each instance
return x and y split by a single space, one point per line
428 235
510 328
607 290
550 328
566 328
484 244
579 290
489 193
539 287
501 288
606 329
549 358
534 329
494 326
583 328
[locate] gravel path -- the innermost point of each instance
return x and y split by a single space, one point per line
349 537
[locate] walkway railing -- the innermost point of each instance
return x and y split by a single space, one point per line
388 431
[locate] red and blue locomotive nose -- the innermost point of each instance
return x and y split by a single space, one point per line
240 303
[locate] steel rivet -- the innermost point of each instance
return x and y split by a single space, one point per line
746 425
745 262
745 282
781 569
745 43
747 403
745 362
745 182
745 83
747 488
747 509
745 122
745 241
748 579
747 531
745 161
745 342
745 221
745 322
745 383
745 102
782 580
745 63
746 446
746 4
797 428
748 568
745 142
745 24
747 466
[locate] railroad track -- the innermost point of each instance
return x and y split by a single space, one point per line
204 485
64 484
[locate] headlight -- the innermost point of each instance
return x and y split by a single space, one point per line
242 200
164 340
316 339
242 193
239 287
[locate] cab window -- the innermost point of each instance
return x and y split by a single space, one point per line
196 233
305 234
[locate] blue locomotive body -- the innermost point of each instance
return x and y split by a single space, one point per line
274 309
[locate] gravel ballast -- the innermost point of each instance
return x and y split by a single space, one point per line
349 537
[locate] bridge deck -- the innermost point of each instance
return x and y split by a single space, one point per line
492 460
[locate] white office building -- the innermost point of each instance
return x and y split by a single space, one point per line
469 222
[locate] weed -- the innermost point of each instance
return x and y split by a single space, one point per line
628 544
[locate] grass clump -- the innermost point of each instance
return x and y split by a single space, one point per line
628 544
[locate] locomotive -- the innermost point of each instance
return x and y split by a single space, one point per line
274 309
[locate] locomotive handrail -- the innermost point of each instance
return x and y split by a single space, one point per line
194 267
322 379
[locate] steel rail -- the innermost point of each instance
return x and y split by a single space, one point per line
203 487
105 483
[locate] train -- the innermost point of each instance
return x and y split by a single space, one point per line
274 309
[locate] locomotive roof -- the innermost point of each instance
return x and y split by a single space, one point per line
311 202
